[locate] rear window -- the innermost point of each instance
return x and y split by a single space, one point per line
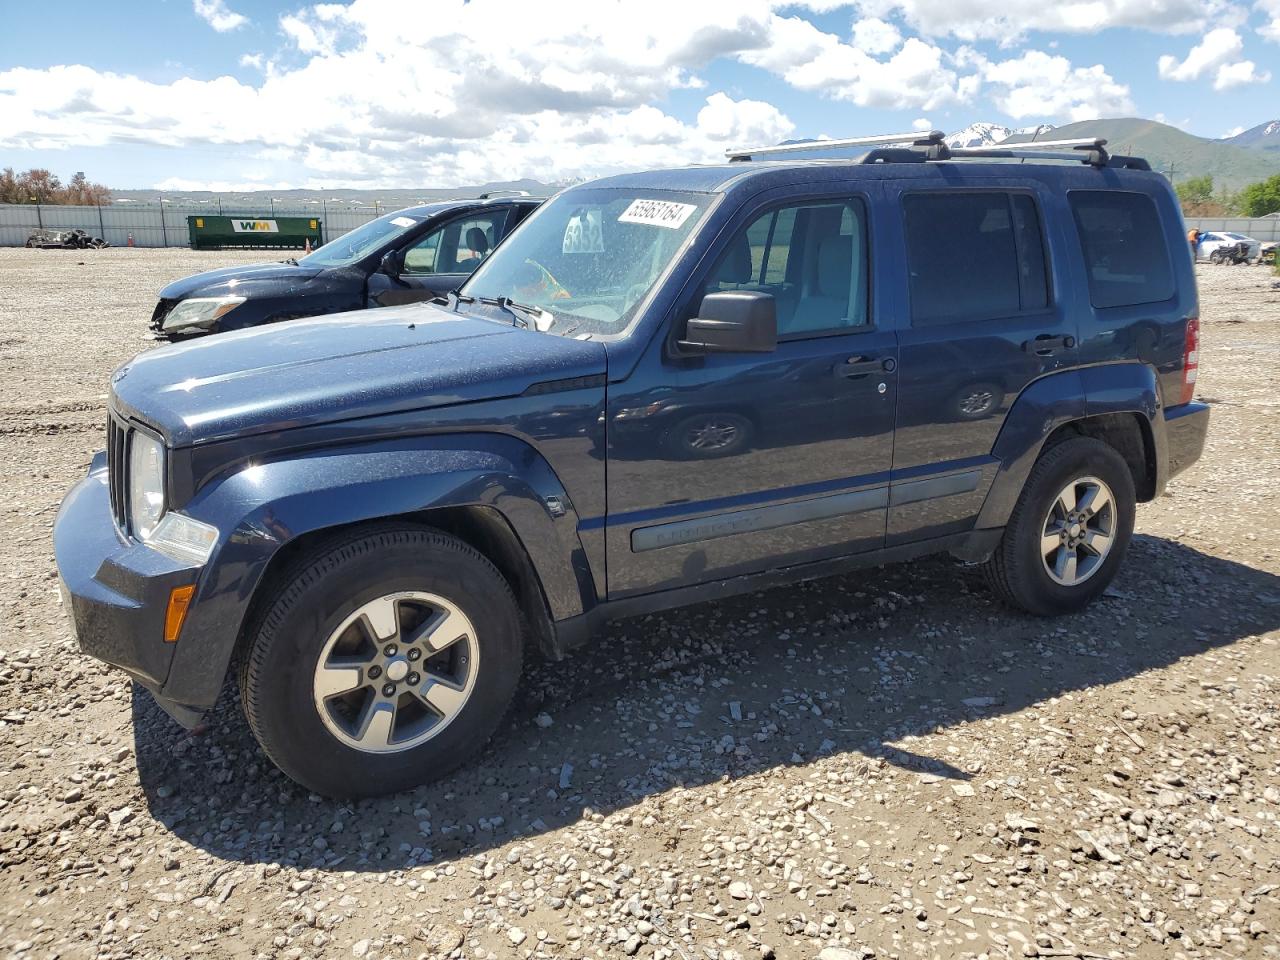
1124 248
974 256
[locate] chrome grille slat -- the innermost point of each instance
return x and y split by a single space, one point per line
117 444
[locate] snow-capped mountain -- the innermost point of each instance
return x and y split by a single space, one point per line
983 134
1265 136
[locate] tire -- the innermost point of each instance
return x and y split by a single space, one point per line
1020 574
706 436
390 584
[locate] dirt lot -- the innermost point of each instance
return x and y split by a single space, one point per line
883 764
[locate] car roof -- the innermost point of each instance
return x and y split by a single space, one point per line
438 207
763 174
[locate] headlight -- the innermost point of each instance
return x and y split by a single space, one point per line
179 537
199 312
146 484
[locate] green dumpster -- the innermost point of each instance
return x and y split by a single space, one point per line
253 233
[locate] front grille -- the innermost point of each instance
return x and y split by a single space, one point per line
117 451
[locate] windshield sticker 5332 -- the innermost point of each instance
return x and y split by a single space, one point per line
657 213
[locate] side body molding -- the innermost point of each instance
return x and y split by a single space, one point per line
1059 399
268 505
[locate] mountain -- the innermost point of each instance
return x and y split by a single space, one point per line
1265 136
1176 152
982 134
390 198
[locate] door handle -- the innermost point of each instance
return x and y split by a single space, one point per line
1046 345
856 367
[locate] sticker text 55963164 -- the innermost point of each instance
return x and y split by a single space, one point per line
657 213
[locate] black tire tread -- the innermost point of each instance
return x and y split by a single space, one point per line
310 566
1004 574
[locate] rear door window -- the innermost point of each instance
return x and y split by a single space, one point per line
974 256
1125 254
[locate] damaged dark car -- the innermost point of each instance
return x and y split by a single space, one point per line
408 256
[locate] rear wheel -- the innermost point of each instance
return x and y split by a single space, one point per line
1068 532
385 660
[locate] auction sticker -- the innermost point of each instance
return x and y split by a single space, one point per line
403 221
657 213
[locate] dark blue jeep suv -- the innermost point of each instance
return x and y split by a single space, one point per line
662 388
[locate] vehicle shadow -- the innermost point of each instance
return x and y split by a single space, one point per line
845 666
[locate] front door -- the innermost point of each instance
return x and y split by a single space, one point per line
440 260
727 464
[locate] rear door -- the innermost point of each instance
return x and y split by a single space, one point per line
442 258
983 322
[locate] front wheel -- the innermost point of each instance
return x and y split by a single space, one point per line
384 660
1068 532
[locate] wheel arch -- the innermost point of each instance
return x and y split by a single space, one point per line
1115 403
493 493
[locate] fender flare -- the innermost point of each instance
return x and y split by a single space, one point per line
261 508
1056 400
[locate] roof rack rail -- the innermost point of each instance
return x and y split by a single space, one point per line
503 193
1090 150
917 138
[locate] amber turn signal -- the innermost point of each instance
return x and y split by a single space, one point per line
179 601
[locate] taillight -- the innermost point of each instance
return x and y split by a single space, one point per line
1190 360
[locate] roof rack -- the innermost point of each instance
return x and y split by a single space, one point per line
503 193
920 147
915 138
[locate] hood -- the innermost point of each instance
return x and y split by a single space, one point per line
340 367
228 280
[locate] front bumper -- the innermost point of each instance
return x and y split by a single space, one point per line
116 590
1186 427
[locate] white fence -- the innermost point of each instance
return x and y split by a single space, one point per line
166 225
163 226
1265 229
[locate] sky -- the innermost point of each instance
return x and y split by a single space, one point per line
235 95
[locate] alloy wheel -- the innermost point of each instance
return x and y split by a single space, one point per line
1079 531
396 672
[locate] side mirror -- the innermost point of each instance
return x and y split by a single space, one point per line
734 321
392 264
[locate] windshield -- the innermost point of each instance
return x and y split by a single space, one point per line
588 257
362 241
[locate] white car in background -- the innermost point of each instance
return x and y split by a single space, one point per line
1221 242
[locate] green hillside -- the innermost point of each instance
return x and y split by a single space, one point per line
1167 147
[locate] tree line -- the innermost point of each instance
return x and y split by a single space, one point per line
1256 200
38 185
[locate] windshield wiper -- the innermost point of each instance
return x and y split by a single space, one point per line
515 309
292 261
452 298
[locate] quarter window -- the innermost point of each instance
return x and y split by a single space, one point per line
1124 248
974 256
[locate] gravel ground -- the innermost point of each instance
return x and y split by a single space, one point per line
885 764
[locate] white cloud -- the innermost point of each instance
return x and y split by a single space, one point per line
380 92
918 76
217 15
1270 10
1238 74
922 123
1216 48
876 36
1042 85
1233 132
1012 19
